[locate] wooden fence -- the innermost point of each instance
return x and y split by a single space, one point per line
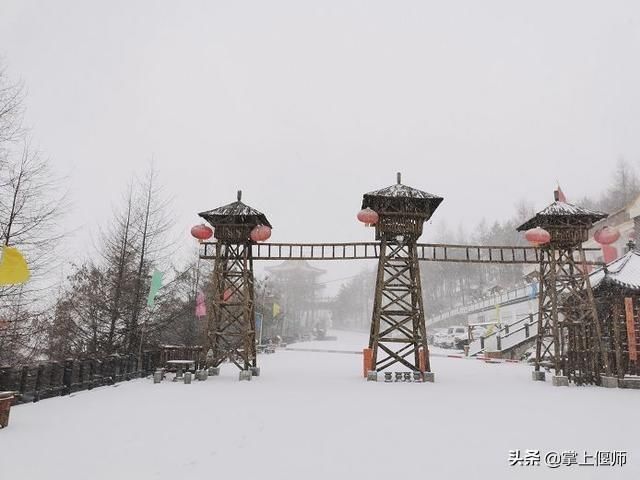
50 379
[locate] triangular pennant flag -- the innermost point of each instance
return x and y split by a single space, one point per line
13 267
156 284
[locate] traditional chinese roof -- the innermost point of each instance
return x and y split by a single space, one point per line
236 213
563 213
399 197
623 272
294 267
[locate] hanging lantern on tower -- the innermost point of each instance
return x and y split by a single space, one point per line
537 236
260 233
606 235
368 217
201 232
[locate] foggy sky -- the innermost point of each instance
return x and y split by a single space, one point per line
307 105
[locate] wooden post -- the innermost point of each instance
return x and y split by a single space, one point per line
367 356
422 360
631 331
67 376
617 340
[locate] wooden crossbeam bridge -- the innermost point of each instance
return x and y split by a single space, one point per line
398 333
429 252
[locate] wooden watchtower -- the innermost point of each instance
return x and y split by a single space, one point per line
398 330
569 338
231 325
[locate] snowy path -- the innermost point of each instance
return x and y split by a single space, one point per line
311 416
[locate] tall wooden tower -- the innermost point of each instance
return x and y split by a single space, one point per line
398 330
231 325
569 338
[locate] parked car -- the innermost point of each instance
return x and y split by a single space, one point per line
439 337
457 337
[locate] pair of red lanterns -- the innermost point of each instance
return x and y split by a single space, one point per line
260 233
604 236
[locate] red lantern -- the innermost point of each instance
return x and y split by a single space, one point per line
609 253
260 233
606 235
537 236
368 217
201 232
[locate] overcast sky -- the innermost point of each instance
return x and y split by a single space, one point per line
307 105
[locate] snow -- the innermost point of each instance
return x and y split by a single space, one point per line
624 271
561 209
400 190
233 211
311 416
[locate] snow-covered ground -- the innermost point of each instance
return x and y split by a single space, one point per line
310 415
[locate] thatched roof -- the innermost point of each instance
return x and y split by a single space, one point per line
236 213
400 190
399 197
563 213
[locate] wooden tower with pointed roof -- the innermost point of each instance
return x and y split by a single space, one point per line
569 337
398 330
231 329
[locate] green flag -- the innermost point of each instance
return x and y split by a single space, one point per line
156 284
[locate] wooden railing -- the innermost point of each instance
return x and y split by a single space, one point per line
430 252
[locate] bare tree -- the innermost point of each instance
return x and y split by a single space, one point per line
118 254
30 207
153 246
104 302
11 109
624 187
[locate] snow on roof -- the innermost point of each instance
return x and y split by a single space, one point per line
564 208
234 212
235 208
401 198
624 272
561 210
400 190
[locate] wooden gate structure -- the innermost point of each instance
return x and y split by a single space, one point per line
398 332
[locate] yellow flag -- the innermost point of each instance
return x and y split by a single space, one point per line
13 267
276 309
